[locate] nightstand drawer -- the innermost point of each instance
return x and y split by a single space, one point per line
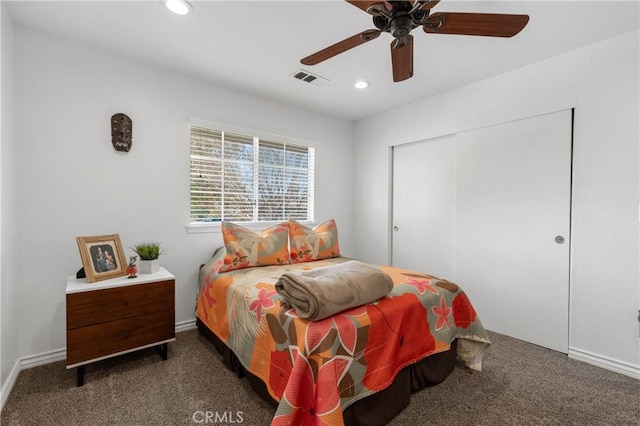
99 306
98 340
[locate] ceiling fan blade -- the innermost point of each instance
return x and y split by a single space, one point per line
429 4
402 58
385 5
476 24
364 5
341 46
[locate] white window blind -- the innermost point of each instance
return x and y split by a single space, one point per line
245 179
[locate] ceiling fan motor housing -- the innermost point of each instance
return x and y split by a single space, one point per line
401 26
400 20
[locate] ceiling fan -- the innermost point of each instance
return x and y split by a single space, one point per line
399 18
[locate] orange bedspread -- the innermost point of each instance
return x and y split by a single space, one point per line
318 368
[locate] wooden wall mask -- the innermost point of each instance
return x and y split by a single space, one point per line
121 132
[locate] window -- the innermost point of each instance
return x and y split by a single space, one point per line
245 178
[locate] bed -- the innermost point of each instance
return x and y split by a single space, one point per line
356 367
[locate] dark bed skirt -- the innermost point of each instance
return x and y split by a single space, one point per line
376 409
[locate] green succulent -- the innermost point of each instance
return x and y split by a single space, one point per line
148 250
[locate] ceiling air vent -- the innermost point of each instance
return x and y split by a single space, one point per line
307 77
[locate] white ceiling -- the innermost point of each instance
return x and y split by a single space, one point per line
255 46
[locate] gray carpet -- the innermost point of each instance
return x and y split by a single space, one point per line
522 384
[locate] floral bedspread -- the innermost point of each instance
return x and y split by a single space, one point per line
315 369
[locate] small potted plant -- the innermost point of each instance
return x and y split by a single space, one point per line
149 252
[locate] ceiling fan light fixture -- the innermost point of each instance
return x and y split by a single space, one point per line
179 7
361 84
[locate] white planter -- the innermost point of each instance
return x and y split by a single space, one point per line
149 266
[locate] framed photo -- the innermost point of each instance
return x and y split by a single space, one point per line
102 257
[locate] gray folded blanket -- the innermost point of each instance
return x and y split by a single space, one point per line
322 292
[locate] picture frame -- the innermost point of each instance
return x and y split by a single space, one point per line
102 257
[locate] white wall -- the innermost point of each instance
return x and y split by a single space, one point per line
8 310
73 183
601 82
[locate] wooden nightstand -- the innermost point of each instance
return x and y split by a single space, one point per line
120 315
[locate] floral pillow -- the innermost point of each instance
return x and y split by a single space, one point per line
245 248
309 244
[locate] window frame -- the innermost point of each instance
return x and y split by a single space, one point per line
214 227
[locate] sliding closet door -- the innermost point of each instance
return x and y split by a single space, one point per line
512 226
423 206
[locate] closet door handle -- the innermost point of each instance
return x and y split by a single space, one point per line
560 239
395 228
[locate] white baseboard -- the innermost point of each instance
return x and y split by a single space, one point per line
56 355
61 354
8 385
185 325
31 361
607 363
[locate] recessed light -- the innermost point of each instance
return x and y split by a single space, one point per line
179 7
361 84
